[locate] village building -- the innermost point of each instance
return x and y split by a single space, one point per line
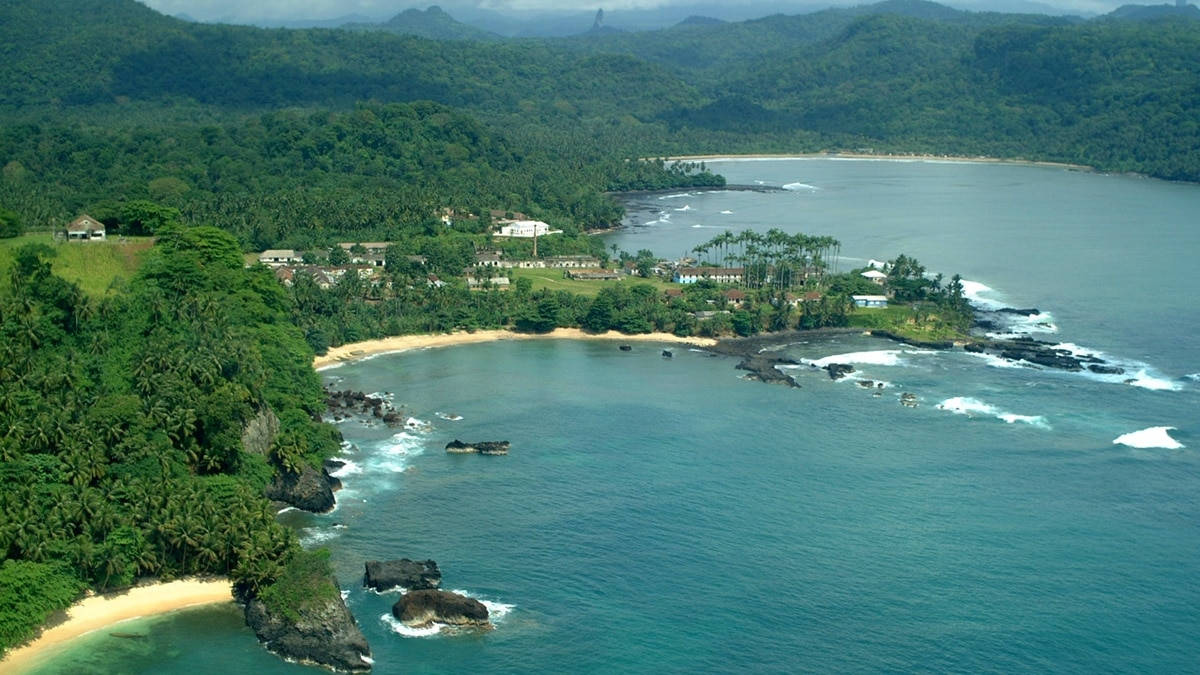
276 257
86 228
735 296
480 282
876 277
727 275
370 247
572 261
489 259
525 228
870 300
591 274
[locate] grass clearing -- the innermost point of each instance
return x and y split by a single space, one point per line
553 279
93 265
904 321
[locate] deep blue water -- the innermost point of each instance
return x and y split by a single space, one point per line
664 515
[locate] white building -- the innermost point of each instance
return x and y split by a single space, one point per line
85 228
870 300
279 256
875 276
726 275
525 228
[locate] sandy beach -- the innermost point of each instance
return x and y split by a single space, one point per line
403 343
101 611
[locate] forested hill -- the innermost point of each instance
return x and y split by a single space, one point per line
903 75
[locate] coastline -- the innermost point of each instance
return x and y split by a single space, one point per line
101 611
402 343
882 156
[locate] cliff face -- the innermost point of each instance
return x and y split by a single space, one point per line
325 634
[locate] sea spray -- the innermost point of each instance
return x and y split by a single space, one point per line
973 407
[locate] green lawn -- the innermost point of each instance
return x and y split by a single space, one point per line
900 319
93 265
553 279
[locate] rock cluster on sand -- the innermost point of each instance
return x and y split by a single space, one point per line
414 575
420 609
458 447
324 633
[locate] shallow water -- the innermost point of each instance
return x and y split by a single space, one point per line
665 515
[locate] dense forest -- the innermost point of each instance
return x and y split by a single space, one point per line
123 418
904 75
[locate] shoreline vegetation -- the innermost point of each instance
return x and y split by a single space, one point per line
883 156
359 350
97 612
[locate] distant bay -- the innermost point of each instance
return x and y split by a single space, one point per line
664 515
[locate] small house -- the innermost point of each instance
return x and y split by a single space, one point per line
85 228
572 261
280 256
876 277
591 274
488 259
870 300
735 296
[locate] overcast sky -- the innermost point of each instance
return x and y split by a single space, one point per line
297 10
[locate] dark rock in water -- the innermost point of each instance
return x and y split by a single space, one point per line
422 608
343 404
324 633
309 490
334 464
625 348
867 384
392 418
481 447
974 347
414 575
838 370
763 368
908 400
1106 370
667 354
1021 312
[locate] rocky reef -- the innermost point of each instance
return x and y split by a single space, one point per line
310 490
414 575
344 404
322 633
458 447
419 609
763 368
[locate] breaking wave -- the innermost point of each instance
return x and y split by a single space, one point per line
348 468
1151 437
972 407
885 357
800 186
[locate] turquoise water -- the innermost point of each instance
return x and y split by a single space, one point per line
664 515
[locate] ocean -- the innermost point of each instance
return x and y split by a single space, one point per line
665 515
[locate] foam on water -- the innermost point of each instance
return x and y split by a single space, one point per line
727 212
976 291
676 196
1194 377
884 357
448 416
685 207
800 186
313 536
408 632
496 610
973 407
348 468
997 361
394 453
1136 373
1151 437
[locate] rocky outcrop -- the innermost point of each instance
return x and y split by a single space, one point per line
260 432
414 575
323 633
458 447
838 370
309 490
763 367
911 341
343 404
423 608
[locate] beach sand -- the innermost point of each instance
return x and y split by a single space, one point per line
101 611
402 343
